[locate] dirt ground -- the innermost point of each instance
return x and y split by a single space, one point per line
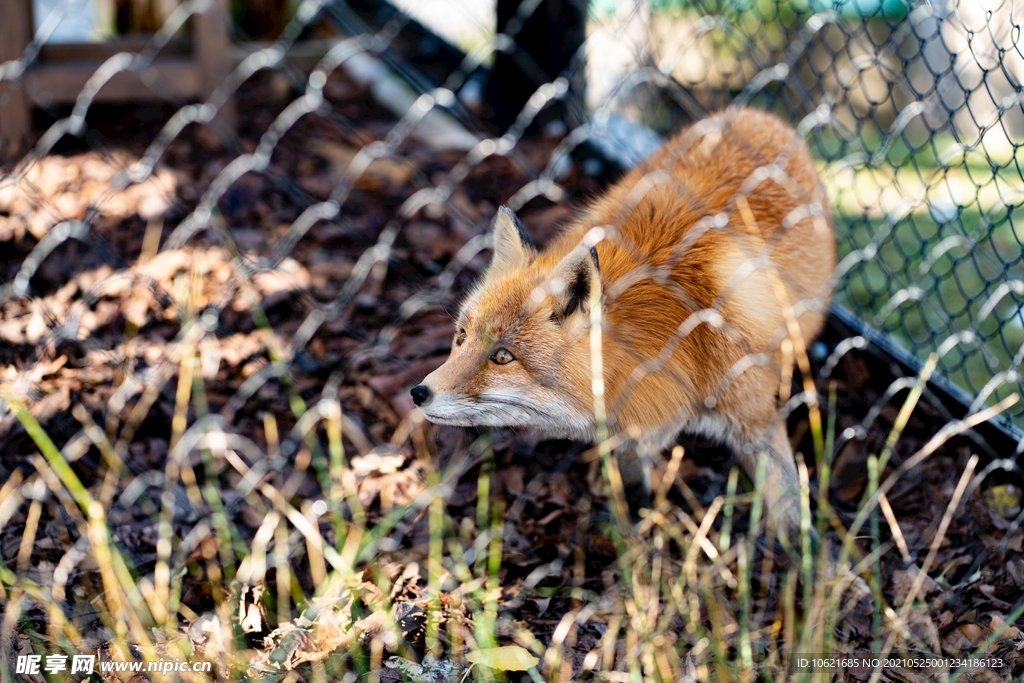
95 336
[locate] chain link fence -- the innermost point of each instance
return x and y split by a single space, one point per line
922 148
915 114
226 246
914 110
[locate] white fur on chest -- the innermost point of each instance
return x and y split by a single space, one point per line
711 425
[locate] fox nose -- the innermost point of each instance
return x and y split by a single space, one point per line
420 394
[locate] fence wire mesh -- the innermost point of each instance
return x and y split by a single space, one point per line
205 279
918 116
919 139
922 145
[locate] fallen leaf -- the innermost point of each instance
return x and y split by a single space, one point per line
506 658
1004 499
903 580
250 610
972 632
431 670
381 172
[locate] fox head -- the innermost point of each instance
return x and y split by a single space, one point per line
521 352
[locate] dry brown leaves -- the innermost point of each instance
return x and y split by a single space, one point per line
96 319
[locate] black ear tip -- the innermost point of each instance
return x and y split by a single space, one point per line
510 214
524 237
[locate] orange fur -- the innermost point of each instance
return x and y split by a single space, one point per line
704 248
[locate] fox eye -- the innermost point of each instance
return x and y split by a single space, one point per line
503 357
461 338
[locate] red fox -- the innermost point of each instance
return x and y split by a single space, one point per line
696 257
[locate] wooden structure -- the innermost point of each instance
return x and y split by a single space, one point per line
189 68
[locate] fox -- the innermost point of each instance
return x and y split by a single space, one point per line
707 267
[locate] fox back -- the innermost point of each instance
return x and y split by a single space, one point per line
711 264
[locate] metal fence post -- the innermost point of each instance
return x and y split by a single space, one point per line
547 41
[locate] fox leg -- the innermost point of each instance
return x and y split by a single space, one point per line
781 488
634 462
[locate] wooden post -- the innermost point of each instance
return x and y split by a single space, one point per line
211 41
59 79
15 107
549 40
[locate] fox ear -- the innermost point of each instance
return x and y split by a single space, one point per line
513 248
572 281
